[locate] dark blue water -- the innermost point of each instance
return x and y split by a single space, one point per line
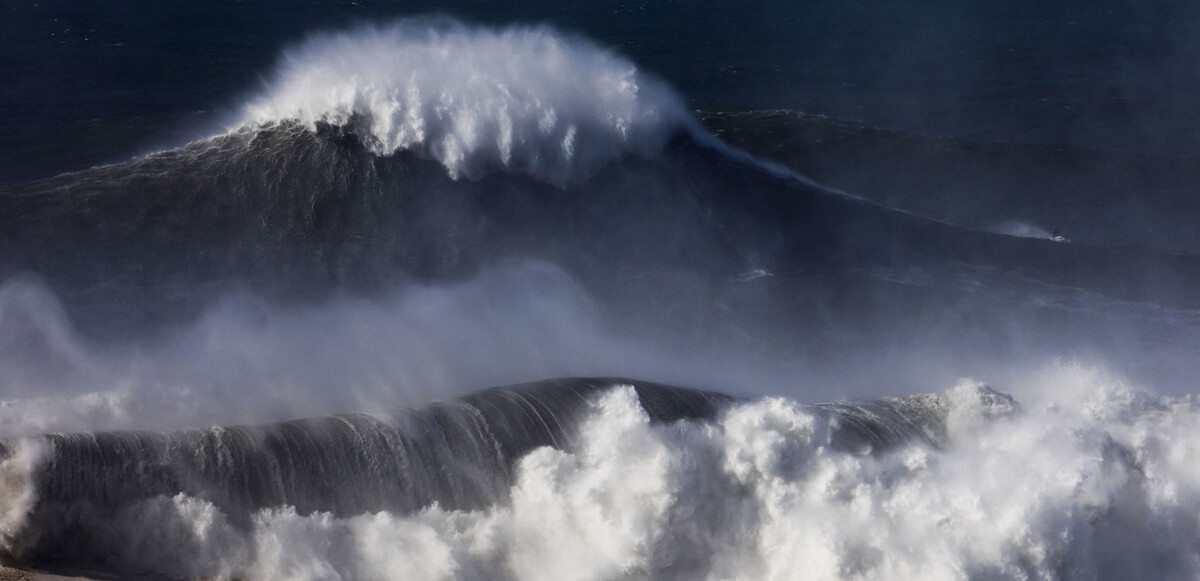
87 83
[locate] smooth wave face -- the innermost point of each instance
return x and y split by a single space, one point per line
298 216
523 100
459 455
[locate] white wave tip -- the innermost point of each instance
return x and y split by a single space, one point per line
526 100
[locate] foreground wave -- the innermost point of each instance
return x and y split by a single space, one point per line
1088 480
457 455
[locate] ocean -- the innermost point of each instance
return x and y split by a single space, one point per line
670 290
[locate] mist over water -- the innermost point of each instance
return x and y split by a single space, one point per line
411 212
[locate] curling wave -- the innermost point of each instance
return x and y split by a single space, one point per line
458 455
526 100
1089 479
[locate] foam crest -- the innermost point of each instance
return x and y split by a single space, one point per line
1092 481
525 100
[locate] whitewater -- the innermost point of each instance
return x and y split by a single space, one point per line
273 352
524 100
1093 482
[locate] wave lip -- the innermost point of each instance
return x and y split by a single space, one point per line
70 488
522 99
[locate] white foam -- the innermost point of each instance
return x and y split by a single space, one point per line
17 494
1091 480
522 99
1020 229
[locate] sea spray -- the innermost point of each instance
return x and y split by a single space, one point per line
1098 482
95 490
1091 480
309 262
17 490
1045 493
527 100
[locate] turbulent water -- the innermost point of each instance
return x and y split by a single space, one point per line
271 351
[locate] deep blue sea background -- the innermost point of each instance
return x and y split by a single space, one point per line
87 83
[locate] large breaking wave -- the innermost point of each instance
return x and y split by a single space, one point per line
458 455
410 212
1089 479
347 175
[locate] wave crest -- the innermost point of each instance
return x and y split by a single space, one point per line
520 99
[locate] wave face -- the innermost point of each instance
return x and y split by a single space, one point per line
459 455
522 100
299 216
